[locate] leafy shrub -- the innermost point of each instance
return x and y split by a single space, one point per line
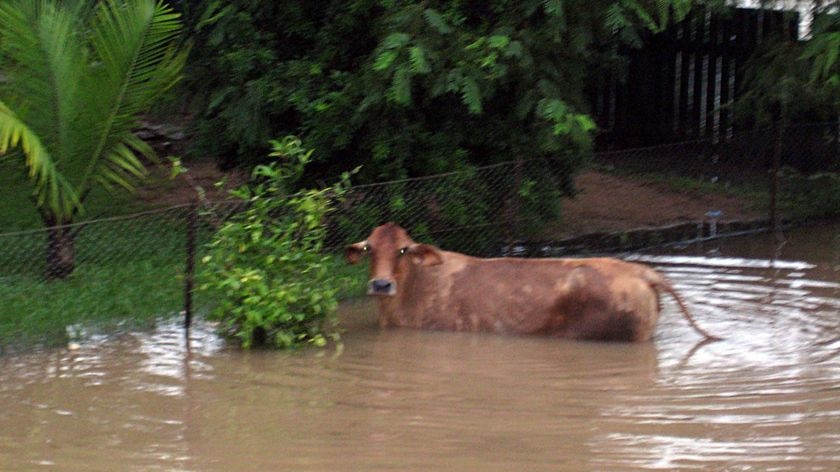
266 263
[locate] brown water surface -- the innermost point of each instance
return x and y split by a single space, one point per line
766 398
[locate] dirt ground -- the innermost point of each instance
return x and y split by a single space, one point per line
605 202
162 191
614 203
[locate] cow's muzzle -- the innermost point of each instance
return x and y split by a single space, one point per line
382 287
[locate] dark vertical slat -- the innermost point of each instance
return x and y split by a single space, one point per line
621 105
697 89
613 97
726 58
761 21
676 80
742 44
676 89
711 76
597 98
682 83
665 87
684 73
691 63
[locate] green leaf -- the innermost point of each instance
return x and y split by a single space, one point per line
419 65
477 44
498 41
396 40
585 122
643 15
400 91
437 21
471 96
615 19
384 60
663 9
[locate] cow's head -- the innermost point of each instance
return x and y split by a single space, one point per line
392 253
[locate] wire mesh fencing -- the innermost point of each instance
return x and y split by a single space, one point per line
146 264
474 211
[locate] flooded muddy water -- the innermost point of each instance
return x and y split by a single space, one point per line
765 398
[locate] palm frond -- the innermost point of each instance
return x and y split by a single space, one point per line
133 41
52 189
41 48
77 76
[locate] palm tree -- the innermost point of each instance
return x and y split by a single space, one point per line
74 79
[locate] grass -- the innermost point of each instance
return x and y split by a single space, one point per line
752 188
801 197
698 185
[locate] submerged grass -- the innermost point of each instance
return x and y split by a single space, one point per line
103 296
129 273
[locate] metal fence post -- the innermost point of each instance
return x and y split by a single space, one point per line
776 164
189 273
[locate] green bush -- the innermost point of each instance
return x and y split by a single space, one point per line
276 287
809 196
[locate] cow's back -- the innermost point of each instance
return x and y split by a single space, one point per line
603 299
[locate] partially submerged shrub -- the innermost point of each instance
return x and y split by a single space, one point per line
266 263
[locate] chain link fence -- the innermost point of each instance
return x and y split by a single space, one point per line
142 265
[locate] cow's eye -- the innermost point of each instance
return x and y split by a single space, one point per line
403 251
366 248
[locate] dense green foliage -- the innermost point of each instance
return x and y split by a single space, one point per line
266 263
408 88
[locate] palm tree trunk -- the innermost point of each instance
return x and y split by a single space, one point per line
61 249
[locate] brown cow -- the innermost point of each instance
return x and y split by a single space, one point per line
421 286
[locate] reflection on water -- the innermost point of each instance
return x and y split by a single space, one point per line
767 397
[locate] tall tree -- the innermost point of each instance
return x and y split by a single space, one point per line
75 79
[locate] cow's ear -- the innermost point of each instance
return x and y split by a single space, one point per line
354 252
425 254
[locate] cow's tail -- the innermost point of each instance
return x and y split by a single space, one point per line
660 283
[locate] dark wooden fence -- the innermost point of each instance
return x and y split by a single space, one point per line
681 83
